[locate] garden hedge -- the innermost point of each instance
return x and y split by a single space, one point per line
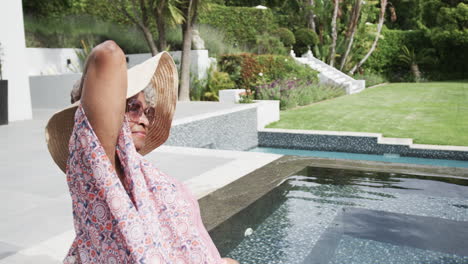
241 25
447 64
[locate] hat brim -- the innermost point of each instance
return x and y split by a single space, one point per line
161 72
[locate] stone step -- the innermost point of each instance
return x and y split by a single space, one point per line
331 74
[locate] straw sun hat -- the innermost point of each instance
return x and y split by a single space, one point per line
161 72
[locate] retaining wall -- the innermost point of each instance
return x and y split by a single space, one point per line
52 91
352 142
231 131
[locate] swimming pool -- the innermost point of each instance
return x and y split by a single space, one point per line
354 156
330 215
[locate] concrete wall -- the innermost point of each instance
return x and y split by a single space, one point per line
51 80
43 61
52 91
200 61
209 133
14 63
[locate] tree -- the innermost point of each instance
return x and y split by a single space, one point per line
189 10
413 59
334 33
145 14
383 6
311 15
137 13
166 13
50 8
352 26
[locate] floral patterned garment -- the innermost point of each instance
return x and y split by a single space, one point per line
156 220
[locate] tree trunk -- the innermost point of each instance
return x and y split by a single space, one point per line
149 40
334 33
383 6
140 22
416 72
184 92
158 8
160 23
310 16
353 23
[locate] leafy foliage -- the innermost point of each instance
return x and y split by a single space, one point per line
292 93
53 33
286 36
385 60
215 41
305 38
267 44
246 97
208 89
241 25
249 70
371 78
50 8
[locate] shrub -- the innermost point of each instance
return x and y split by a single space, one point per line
250 70
292 93
246 97
446 63
385 61
286 36
371 78
241 25
197 89
304 38
267 44
207 89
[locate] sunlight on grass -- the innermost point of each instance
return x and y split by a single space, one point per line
430 113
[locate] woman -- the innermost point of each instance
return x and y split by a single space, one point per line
125 210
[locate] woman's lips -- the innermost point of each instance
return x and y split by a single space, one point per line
139 133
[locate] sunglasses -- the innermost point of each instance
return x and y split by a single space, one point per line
135 109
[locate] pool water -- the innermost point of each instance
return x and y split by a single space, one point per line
354 156
322 215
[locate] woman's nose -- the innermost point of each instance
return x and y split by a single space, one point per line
143 120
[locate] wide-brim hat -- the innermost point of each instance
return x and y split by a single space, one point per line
161 72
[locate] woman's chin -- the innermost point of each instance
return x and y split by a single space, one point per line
138 144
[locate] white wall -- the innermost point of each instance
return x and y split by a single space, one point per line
200 61
42 61
15 64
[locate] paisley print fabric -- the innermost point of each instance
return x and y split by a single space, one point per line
155 220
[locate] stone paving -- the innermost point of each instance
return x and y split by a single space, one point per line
36 220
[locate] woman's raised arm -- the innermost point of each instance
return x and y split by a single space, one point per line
104 92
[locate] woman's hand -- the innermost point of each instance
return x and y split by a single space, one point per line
230 261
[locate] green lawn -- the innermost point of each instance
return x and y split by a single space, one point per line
430 113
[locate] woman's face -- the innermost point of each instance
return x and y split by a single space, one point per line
139 126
